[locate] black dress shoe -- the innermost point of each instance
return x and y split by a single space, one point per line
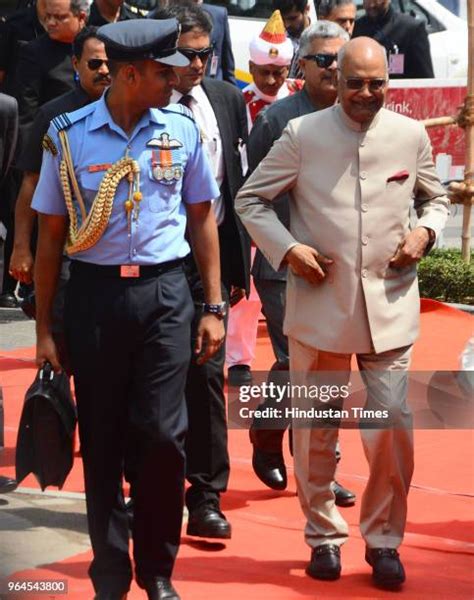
159 588
387 568
239 375
8 300
110 596
325 562
208 521
7 484
344 497
270 468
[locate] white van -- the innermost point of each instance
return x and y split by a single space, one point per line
447 33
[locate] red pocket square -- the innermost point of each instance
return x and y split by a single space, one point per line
400 176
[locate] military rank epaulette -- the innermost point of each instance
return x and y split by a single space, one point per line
49 145
180 109
61 122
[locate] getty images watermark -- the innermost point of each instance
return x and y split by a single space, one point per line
437 400
320 394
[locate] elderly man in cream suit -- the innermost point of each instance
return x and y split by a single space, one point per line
352 171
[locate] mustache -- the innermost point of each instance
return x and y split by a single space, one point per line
100 78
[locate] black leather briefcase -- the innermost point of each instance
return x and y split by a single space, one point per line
45 443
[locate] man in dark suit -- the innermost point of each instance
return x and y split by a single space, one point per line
219 111
221 64
8 137
9 132
44 68
16 31
404 38
90 63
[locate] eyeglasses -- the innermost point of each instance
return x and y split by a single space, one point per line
358 83
191 53
324 61
95 63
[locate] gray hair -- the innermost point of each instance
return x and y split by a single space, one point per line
78 6
321 30
342 53
326 7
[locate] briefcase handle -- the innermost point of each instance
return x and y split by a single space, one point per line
46 372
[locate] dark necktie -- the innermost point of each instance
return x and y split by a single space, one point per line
187 100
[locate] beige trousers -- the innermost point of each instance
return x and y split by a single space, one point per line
389 451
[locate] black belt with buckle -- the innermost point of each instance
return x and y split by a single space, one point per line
123 271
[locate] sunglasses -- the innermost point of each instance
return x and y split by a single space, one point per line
324 61
357 83
191 54
95 63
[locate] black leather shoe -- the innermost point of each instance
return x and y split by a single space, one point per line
387 568
239 375
159 588
270 468
344 497
325 562
208 521
8 300
110 596
7 484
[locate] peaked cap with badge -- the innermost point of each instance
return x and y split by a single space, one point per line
272 46
140 39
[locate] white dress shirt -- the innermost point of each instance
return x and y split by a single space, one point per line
211 138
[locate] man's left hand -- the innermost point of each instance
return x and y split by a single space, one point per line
210 335
411 249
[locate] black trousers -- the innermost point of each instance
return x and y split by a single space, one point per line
128 343
207 458
272 295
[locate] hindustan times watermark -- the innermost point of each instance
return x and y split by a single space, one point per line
385 399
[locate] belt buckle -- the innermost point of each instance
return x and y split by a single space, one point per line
129 270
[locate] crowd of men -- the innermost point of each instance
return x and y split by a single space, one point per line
148 194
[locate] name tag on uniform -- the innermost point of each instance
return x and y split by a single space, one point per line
396 64
129 270
96 168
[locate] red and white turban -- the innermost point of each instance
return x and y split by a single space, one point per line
272 46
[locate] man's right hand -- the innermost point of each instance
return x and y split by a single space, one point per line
308 263
21 265
46 351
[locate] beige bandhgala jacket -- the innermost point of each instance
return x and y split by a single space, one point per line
350 195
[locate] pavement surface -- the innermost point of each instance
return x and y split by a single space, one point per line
35 528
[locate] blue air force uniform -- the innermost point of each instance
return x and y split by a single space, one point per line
96 143
128 314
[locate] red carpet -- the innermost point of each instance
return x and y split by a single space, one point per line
267 555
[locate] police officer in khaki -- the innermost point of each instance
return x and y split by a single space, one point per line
352 171
119 184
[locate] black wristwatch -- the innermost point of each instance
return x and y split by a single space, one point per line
219 309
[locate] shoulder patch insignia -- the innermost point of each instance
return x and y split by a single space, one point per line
49 145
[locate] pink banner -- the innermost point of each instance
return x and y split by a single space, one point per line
430 102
